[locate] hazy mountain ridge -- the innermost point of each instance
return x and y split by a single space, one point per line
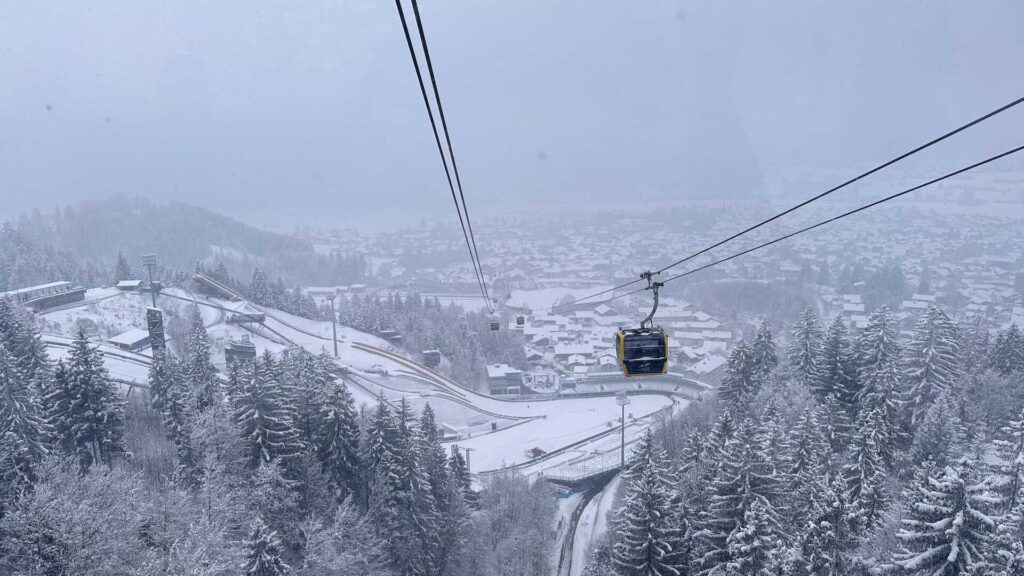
82 240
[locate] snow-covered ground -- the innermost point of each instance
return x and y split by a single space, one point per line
548 297
499 432
109 310
560 423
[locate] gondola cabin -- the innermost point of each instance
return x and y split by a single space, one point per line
642 351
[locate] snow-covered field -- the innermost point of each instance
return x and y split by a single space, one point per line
548 297
499 432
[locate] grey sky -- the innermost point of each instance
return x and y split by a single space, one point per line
314 104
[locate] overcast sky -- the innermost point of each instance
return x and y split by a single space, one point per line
240 105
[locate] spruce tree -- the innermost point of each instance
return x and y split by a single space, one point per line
651 529
976 344
834 421
402 505
24 342
803 353
947 531
461 477
56 405
939 435
258 289
1007 356
337 440
723 430
122 269
447 494
265 416
864 477
23 432
692 453
740 384
93 425
755 548
381 442
743 477
879 377
310 378
838 368
932 362
808 447
1009 470
263 552
763 352
827 538
199 368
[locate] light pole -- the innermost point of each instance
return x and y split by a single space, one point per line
622 399
149 260
334 324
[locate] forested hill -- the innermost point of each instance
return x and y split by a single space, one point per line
81 242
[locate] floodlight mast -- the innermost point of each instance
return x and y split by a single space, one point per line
622 400
149 260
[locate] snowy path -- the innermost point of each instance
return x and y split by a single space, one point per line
591 525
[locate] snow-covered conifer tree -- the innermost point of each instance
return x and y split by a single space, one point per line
24 342
803 353
1009 470
337 440
947 530
838 368
932 361
265 416
258 289
199 369
740 384
763 352
263 552
864 477
23 432
743 477
93 423
755 548
1007 355
827 537
939 435
461 475
976 344
807 447
651 528
878 361
122 269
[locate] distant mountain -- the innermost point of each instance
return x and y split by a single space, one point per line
82 240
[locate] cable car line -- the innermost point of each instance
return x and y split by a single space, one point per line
850 181
448 139
861 176
828 221
851 212
644 351
440 150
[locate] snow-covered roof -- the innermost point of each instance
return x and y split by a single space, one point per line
500 370
708 364
31 288
130 337
570 349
